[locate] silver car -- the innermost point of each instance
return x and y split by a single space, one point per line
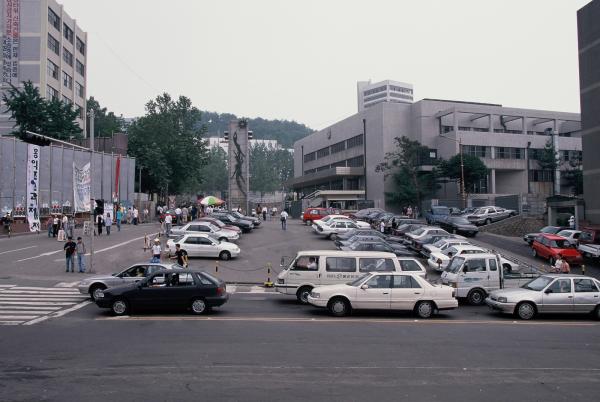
205 227
135 273
487 215
549 294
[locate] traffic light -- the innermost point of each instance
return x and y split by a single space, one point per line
35 139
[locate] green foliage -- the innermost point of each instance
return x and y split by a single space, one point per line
269 168
474 170
403 164
105 123
215 171
547 157
168 144
284 131
31 112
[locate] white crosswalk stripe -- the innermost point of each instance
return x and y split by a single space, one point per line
26 305
249 289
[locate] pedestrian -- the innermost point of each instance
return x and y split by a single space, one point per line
80 254
409 212
145 215
283 217
394 223
70 248
119 218
382 226
181 256
194 211
561 265
49 224
264 213
178 216
156 251
184 215
135 215
572 222
168 224
65 223
108 223
274 211
99 221
55 226
159 209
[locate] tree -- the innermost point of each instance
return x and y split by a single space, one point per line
474 170
105 123
31 112
547 156
403 164
270 167
215 171
168 144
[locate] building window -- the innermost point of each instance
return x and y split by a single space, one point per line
402 96
80 68
309 171
67 80
68 33
481 186
400 89
323 152
79 89
338 147
52 70
310 157
476 150
321 168
509 153
80 111
53 44
53 19
378 96
68 57
374 90
355 162
81 46
542 176
52 93
338 164
354 141
66 100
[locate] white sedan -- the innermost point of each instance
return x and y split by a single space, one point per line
203 245
334 228
205 227
385 291
329 219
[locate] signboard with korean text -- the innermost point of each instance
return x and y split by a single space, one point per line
33 185
81 188
10 42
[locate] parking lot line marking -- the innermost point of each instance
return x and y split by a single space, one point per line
65 290
59 313
257 289
18 317
7 286
11 322
13 308
36 303
66 284
345 320
40 293
17 249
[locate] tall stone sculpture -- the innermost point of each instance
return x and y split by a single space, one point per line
238 166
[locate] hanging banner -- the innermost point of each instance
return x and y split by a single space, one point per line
81 188
116 195
33 182
10 42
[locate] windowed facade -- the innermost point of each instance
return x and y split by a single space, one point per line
510 153
66 100
356 162
79 90
53 19
354 141
80 68
68 33
53 44
476 150
51 93
52 70
80 46
323 152
338 147
375 90
541 176
310 157
67 80
68 57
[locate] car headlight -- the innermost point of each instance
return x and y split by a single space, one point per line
315 295
502 300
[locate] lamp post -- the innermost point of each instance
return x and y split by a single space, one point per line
92 200
462 170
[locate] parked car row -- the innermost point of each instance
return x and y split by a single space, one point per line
475 216
573 245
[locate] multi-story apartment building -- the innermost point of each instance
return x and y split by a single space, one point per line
43 44
370 94
340 160
588 26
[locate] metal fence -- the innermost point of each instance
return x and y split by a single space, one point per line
56 174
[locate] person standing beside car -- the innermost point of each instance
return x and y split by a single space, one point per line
283 217
181 256
562 266
168 224
156 251
70 248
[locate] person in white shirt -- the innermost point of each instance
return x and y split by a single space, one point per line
156 251
382 226
178 215
168 224
136 214
283 217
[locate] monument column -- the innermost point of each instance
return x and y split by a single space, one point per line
238 165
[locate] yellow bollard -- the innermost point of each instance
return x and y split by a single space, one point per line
216 266
268 283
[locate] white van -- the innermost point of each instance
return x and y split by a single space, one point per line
474 276
330 267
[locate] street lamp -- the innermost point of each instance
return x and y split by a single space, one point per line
462 169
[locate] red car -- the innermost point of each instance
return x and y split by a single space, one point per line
220 224
313 214
549 246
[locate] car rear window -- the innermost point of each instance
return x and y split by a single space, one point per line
409 265
376 265
340 264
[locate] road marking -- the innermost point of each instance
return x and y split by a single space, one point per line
67 284
38 256
39 292
257 289
17 249
33 299
7 286
11 322
38 308
17 317
59 313
36 303
65 290
231 289
345 320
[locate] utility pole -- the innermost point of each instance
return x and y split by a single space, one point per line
462 175
92 200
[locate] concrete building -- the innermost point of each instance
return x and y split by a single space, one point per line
588 28
370 94
336 165
43 44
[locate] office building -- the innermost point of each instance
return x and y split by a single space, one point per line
588 28
44 45
336 165
370 94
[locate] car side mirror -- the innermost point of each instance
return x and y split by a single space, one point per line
548 291
364 287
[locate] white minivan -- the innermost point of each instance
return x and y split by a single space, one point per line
314 268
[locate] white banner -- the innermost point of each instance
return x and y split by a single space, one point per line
10 42
81 188
33 182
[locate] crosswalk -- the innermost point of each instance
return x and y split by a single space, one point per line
249 289
28 305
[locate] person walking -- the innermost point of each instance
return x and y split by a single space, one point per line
99 221
108 223
156 251
55 226
80 248
49 224
382 226
168 224
65 223
184 215
194 212
283 218
70 248
562 266
264 214
181 256
409 212
136 214
145 215
178 216
119 218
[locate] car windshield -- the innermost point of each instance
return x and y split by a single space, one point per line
565 233
418 232
360 279
561 244
177 239
549 229
231 218
213 227
450 250
218 223
326 219
455 264
439 243
538 283
478 211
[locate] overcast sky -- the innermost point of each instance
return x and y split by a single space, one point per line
300 60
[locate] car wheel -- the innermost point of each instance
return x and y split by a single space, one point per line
597 313
222 238
119 307
225 255
94 290
507 268
488 221
476 297
333 236
308 222
526 311
424 309
302 294
533 252
339 307
198 306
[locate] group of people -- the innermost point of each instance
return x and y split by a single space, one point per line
180 254
71 249
56 223
263 212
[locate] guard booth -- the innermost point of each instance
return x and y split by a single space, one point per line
562 207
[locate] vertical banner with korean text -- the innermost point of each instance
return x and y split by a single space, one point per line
10 42
81 188
33 184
